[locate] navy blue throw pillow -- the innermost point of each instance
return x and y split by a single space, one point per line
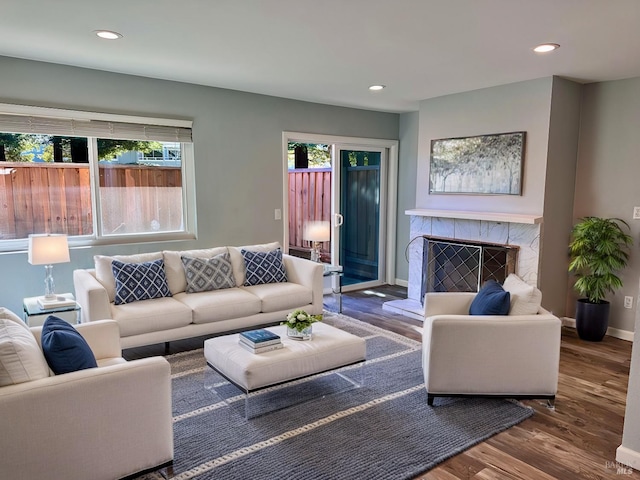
139 281
492 299
263 267
64 348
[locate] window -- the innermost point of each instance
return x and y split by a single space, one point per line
98 178
308 155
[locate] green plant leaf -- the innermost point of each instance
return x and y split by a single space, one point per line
598 250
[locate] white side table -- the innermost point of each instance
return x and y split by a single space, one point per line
34 315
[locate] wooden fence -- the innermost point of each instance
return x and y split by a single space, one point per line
309 200
56 198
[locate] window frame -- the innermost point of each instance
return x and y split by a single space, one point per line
98 238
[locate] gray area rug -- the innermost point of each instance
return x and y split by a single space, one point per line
329 428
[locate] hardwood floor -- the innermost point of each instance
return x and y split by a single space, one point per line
577 440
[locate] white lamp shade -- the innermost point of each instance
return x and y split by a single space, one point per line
317 231
48 249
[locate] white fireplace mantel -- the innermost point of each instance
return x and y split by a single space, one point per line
513 229
468 215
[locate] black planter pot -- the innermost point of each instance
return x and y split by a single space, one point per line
592 319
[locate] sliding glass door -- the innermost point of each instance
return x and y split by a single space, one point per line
348 185
359 216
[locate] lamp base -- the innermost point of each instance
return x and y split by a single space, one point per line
315 252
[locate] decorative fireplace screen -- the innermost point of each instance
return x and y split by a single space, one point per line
462 266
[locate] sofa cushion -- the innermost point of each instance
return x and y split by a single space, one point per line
525 299
175 270
263 267
237 259
21 359
220 304
206 274
65 348
139 281
104 274
281 296
490 300
150 316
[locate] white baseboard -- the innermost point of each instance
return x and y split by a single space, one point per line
628 457
612 332
402 283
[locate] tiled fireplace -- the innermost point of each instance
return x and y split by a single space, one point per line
453 265
519 232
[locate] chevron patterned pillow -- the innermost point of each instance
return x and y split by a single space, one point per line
263 267
205 274
139 281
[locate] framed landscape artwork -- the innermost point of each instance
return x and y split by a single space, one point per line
484 164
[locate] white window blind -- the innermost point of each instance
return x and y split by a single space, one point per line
93 128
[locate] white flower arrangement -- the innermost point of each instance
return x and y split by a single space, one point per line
299 320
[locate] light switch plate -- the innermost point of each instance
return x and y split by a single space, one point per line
628 302
636 213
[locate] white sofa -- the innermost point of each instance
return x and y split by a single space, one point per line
101 423
186 315
514 356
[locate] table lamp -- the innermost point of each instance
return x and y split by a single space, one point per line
47 250
317 232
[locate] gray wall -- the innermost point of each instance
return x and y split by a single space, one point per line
540 107
407 165
631 431
548 109
507 108
559 184
607 185
237 145
608 173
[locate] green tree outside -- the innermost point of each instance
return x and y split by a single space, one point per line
319 155
19 147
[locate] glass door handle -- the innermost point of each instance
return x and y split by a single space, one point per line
337 219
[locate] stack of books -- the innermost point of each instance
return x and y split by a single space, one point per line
260 341
57 301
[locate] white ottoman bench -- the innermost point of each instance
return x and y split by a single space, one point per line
330 348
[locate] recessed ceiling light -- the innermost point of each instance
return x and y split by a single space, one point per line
108 34
546 47
375 88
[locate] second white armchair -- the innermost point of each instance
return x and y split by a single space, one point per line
514 356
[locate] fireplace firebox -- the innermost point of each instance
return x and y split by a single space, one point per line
450 265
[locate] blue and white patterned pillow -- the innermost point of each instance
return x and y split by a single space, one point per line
263 267
205 274
139 281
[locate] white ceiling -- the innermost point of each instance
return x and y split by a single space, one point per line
330 51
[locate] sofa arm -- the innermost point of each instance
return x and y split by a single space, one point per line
103 336
91 295
106 422
457 303
309 274
491 354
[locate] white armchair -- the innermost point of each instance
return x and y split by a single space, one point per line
513 356
100 423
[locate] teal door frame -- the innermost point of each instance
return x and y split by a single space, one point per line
359 200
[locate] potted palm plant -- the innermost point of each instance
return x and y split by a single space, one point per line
598 250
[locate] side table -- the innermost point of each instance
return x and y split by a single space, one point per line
34 315
335 273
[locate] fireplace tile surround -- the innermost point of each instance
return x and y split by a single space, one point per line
523 231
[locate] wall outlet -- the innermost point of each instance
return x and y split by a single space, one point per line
636 213
628 302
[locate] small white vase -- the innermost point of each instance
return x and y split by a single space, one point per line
304 334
